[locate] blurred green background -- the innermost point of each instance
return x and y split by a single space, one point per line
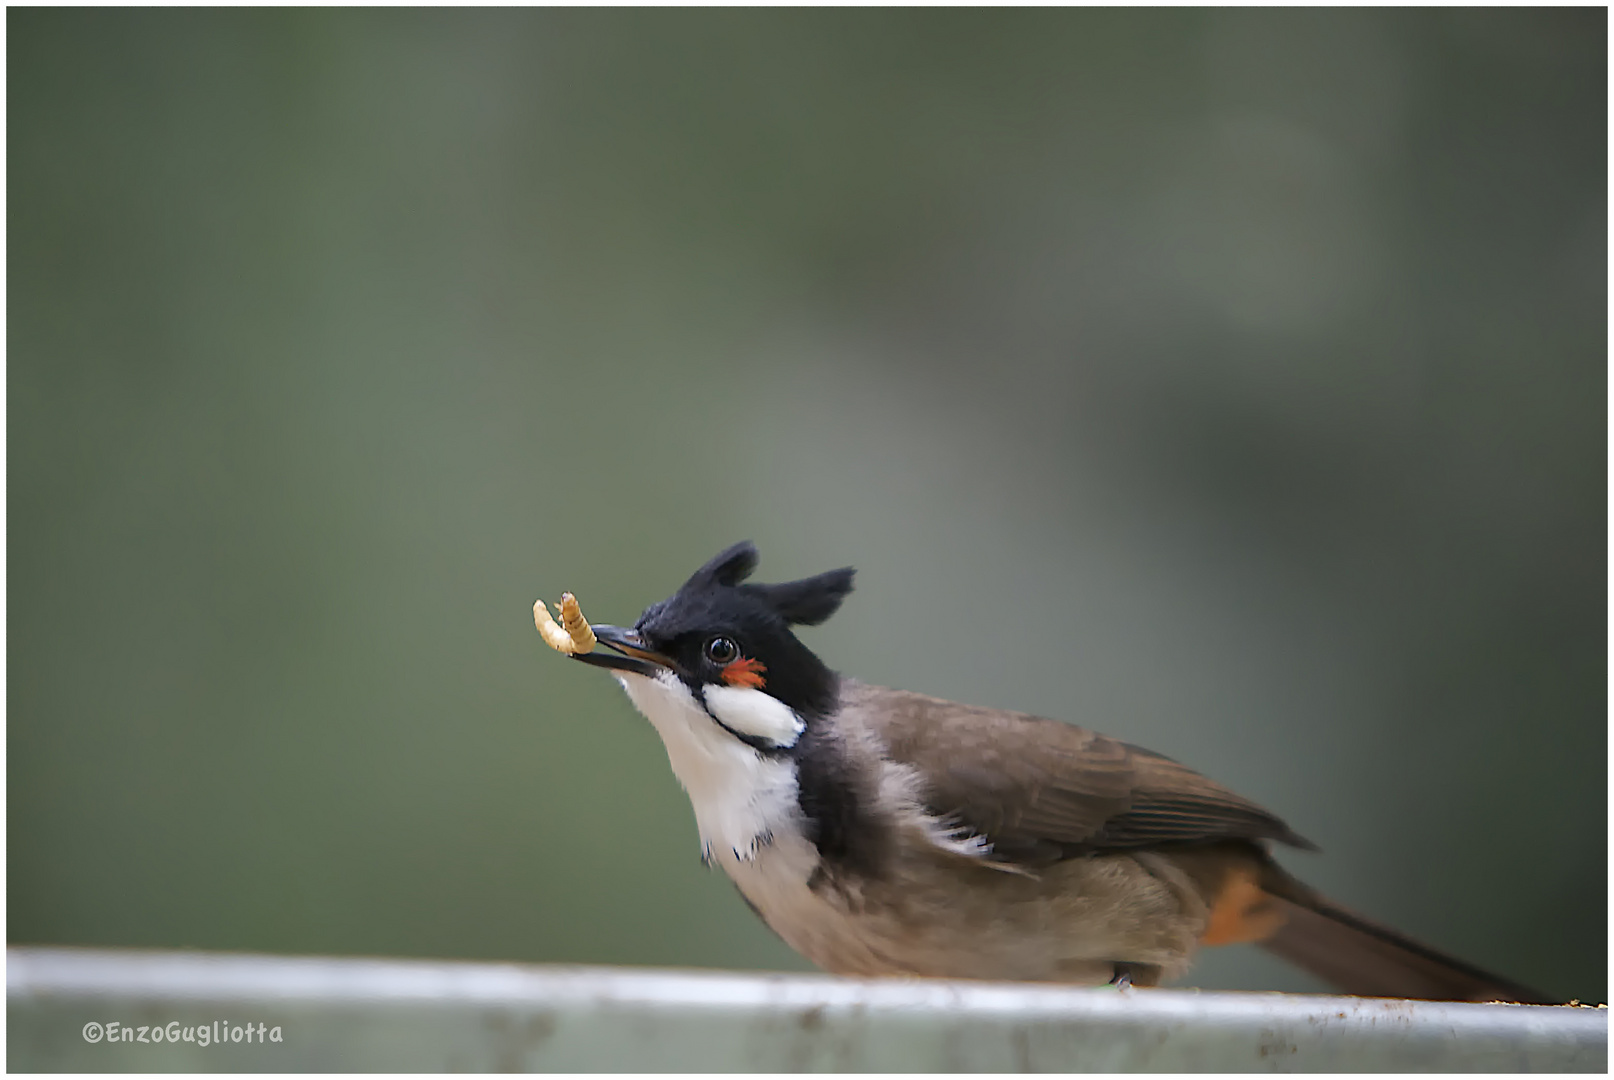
1249 364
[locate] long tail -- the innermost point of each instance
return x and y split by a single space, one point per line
1362 957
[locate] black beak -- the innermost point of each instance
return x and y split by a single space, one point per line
634 656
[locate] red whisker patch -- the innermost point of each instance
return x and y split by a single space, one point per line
745 672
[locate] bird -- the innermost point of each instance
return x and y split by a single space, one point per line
880 832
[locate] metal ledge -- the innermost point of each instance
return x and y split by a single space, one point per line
405 1015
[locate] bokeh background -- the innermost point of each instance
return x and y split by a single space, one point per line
1247 367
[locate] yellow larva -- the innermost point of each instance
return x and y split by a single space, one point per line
576 636
577 627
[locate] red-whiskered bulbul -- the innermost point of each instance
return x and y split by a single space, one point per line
880 832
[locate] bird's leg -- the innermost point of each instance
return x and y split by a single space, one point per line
1128 975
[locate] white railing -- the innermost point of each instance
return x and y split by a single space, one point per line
111 1010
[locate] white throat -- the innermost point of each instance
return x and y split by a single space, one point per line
741 796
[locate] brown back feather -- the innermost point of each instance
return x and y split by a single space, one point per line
1042 790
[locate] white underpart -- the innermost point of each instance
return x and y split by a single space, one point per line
751 823
743 800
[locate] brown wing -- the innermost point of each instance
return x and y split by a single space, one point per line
1041 790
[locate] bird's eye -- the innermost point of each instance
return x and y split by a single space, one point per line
722 650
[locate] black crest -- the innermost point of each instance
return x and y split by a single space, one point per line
806 602
728 567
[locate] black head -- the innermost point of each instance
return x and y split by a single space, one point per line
718 629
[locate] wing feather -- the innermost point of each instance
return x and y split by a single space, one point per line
1041 790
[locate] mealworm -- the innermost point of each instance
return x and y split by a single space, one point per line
576 636
577 627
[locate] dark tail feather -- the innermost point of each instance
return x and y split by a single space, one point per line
1363 958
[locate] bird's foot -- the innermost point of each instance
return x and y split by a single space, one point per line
1122 979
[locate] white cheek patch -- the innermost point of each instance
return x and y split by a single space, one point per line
754 713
